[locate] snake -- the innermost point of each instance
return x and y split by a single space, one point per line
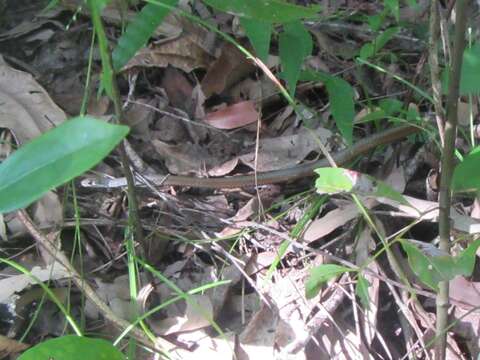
341 157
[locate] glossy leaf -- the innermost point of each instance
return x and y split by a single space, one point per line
259 33
275 11
340 180
73 347
57 156
321 274
341 96
295 44
139 31
466 176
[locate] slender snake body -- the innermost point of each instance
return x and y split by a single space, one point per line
262 178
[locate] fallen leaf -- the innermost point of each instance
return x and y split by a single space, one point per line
233 116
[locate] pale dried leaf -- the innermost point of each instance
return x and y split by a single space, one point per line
198 314
329 222
28 111
16 283
286 151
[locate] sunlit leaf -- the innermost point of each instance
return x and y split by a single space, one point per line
340 180
55 157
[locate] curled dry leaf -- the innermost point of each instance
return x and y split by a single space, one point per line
233 116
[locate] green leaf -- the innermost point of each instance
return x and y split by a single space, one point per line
274 11
391 106
295 44
320 275
432 266
107 71
393 7
259 32
362 291
73 347
466 176
139 31
465 261
340 180
54 158
370 49
341 96
470 78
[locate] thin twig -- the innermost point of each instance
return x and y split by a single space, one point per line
447 171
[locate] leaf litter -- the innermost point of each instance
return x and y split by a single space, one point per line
195 105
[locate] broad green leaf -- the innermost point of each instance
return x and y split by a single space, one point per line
466 176
259 33
295 44
428 263
341 96
73 347
320 275
362 291
432 266
340 180
275 11
54 158
470 78
139 31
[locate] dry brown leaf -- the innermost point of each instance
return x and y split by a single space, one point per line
233 116
178 89
185 52
286 151
329 222
185 158
227 70
28 111
9 346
